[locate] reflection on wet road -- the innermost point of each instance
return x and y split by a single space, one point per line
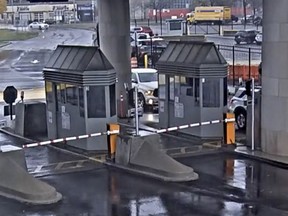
228 185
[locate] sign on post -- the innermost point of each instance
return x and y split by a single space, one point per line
9 96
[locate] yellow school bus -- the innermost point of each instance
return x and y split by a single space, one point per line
217 14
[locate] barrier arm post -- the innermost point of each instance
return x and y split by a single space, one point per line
229 126
112 141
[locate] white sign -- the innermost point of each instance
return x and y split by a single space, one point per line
50 120
179 110
65 121
161 106
63 109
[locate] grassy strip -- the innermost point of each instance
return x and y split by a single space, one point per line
11 35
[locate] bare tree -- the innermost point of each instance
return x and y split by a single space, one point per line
213 3
137 6
255 4
3 4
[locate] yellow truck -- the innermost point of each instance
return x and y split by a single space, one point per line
213 15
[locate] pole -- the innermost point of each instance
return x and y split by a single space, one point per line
249 69
253 115
74 10
233 64
136 111
161 30
13 14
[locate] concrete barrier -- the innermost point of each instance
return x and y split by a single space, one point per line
229 33
141 155
16 183
169 38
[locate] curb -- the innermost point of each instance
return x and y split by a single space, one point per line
258 158
5 44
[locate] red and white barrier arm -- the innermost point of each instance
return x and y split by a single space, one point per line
48 142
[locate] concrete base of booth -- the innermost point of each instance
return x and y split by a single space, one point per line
141 155
16 183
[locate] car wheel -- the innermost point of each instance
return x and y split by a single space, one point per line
31 27
141 100
258 43
240 118
150 62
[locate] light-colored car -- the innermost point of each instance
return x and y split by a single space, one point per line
258 38
38 25
147 81
74 20
238 105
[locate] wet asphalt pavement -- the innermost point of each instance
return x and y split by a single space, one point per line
228 185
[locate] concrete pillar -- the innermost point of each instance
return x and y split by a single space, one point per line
274 124
114 31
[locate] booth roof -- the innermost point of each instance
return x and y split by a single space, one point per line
78 59
191 54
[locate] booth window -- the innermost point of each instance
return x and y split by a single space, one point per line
81 101
96 102
71 94
171 88
63 92
197 92
162 86
186 86
49 92
211 92
177 86
112 93
225 92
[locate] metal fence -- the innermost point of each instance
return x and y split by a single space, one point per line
243 61
197 28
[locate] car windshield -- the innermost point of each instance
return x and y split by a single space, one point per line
148 77
240 93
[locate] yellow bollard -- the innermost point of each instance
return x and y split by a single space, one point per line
230 129
112 141
146 61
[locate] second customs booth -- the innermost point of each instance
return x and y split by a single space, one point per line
192 88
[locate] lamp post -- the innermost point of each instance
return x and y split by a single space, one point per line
74 10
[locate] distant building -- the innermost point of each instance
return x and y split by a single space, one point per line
24 12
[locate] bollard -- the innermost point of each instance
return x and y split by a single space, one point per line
229 134
146 61
112 141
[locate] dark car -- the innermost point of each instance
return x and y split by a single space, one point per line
153 52
247 36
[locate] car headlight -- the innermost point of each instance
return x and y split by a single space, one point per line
149 92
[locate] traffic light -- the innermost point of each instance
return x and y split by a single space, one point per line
248 86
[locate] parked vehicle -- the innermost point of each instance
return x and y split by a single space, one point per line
210 14
49 21
153 52
73 20
147 81
252 19
247 36
238 105
258 38
38 25
142 29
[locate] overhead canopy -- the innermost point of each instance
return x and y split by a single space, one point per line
79 65
192 57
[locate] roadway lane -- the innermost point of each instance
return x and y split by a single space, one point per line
22 62
228 185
